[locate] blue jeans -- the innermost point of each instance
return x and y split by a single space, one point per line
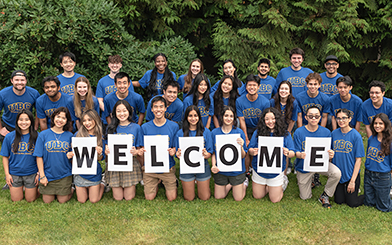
377 187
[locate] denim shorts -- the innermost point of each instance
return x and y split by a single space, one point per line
82 182
199 177
27 181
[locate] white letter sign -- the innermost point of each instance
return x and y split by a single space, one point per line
228 153
270 155
85 156
156 157
191 160
120 157
317 157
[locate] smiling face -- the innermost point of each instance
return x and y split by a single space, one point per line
82 89
379 125
114 67
88 123
270 120
195 68
284 90
296 61
122 85
331 66
158 109
228 69
160 64
60 120
252 87
170 94
122 114
227 86
376 95
343 89
51 89
263 69
68 64
313 116
24 123
228 118
313 86
19 83
202 88
343 120
193 119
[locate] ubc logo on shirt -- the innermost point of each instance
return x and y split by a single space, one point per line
252 113
23 149
328 88
203 111
110 89
57 146
265 89
351 113
297 81
18 106
169 115
68 89
49 112
303 145
370 118
305 107
373 154
342 146
158 84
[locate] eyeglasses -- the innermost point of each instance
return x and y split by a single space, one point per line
331 64
313 116
377 93
341 118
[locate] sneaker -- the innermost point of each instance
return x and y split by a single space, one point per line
288 170
5 187
142 182
246 182
285 182
316 180
324 199
248 174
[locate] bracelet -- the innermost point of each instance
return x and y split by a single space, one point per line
43 177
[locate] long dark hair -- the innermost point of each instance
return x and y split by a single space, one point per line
18 132
188 77
228 108
185 123
236 79
218 97
68 125
386 134
289 103
280 128
151 88
195 90
112 128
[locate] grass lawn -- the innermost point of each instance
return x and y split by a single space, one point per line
251 221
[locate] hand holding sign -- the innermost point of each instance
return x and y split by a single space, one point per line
317 155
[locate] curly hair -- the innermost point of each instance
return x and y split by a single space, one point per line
280 128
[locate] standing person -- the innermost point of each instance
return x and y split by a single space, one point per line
199 95
329 77
375 104
186 81
345 99
378 165
304 178
106 84
295 74
229 69
68 77
225 181
272 124
135 100
348 148
50 101
123 184
153 79
226 94
161 126
82 101
51 148
20 166
191 127
90 187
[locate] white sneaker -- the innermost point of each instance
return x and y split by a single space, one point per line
142 183
246 182
285 182
288 170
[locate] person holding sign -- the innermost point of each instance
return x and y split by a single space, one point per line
226 95
271 123
348 148
123 184
237 180
193 126
378 165
312 129
55 169
90 186
19 164
161 126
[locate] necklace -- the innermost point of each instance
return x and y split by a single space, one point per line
57 139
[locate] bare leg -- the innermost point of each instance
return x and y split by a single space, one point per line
203 190
188 188
16 193
129 192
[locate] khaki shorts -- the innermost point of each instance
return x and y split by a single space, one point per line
151 181
60 187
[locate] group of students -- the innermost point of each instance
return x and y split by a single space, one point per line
302 102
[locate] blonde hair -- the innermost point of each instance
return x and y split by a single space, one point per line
89 98
83 132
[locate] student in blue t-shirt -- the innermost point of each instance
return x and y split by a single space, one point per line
225 181
378 165
229 69
20 166
51 148
199 95
174 105
135 100
106 84
192 126
161 126
90 187
226 95
375 104
329 77
271 124
295 74
304 178
312 97
124 183
68 77
50 101
186 81
348 147
153 79
345 99
81 101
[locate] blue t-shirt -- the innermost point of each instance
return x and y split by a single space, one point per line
347 148
375 162
254 143
21 163
296 78
251 110
45 107
299 142
106 86
169 128
294 114
67 84
135 130
265 89
353 105
328 85
204 112
369 111
13 103
305 101
241 89
146 79
53 149
218 131
181 82
71 107
135 100
173 111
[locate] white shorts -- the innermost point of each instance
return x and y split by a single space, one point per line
277 181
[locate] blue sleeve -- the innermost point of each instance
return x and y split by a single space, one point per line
211 112
6 146
288 143
215 87
278 79
178 113
140 104
297 142
71 108
39 146
145 79
173 136
149 114
40 109
106 113
253 141
294 115
327 106
139 142
238 106
365 120
174 76
177 140
208 141
243 137
96 104
100 90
